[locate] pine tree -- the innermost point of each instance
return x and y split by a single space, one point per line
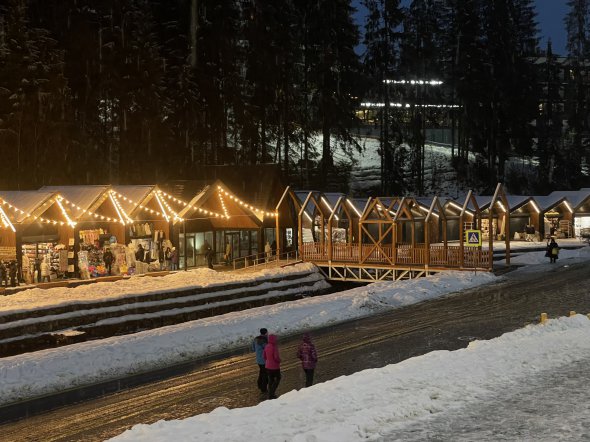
577 134
381 63
334 74
34 99
549 125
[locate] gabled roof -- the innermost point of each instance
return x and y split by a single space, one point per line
133 195
548 202
27 201
574 197
83 196
517 201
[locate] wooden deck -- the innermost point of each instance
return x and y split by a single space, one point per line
403 257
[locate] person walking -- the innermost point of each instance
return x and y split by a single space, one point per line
309 358
267 251
258 346
552 250
272 363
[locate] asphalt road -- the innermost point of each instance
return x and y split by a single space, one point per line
446 323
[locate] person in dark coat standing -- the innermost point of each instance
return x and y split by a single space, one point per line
3 275
107 257
13 270
272 363
552 250
258 346
38 269
309 358
140 253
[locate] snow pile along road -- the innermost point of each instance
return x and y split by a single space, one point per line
48 371
376 404
139 285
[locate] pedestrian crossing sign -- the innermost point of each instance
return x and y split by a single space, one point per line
473 238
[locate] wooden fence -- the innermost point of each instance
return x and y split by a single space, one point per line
405 255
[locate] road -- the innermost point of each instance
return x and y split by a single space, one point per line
446 323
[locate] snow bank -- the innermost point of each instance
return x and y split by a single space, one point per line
48 371
371 404
139 285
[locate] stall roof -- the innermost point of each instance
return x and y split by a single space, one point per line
26 200
83 196
517 201
135 194
574 197
547 202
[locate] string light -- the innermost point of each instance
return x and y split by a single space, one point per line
63 211
223 204
118 209
5 220
246 205
96 215
161 206
28 215
147 209
162 200
190 206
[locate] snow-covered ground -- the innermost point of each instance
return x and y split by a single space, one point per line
136 286
482 392
399 401
43 372
417 387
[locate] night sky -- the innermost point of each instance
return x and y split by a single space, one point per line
550 18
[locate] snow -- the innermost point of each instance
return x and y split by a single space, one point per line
370 405
381 404
48 371
136 286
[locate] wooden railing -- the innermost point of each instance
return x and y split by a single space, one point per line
405 254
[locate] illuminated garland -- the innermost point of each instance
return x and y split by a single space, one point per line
223 204
190 206
63 211
28 215
161 200
96 215
5 220
247 206
123 217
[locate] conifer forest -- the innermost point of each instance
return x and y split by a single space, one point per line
145 91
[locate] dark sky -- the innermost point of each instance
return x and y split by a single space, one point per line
550 15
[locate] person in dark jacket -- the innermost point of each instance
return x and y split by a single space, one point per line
38 269
258 346
13 271
3 275
272 363
552 250
140 253
108 259
309 358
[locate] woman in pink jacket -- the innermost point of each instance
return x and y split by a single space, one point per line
272 363
309 358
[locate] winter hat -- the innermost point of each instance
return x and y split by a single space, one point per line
263 331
